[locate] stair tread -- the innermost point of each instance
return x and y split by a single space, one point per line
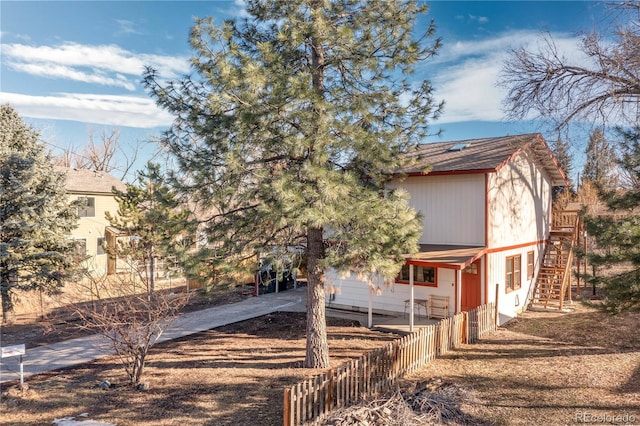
551 277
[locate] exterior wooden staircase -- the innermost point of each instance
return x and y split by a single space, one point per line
553 283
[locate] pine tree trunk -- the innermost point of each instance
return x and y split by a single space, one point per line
8 313
8 278
317 346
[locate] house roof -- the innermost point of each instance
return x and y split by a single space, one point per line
90 182
445 256
484 156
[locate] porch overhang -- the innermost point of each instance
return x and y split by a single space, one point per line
445 256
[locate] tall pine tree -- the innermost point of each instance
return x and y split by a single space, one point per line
156 222
291 124
617 238
561 151
36 217
600 165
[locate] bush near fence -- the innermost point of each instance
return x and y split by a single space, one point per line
379 370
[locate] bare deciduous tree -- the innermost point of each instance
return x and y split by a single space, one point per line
104 154
605 87
65 157
100 155
130 320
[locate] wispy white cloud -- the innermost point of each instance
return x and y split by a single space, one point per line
566 44
464 74
79 61
470 92
69 73
480 19
112 110
7 35
472 18
126 27
467 73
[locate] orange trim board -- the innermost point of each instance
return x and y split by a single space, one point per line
456 267
517 246
476 257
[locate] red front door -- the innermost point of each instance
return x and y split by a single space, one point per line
471 287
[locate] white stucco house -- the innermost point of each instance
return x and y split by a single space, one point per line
486 208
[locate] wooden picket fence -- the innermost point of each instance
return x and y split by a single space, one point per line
480 321
377 371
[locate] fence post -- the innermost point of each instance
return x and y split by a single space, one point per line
287 407
465 327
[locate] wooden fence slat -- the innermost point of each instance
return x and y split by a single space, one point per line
298 419
316 402
308 407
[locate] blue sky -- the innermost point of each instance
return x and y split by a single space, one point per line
73 67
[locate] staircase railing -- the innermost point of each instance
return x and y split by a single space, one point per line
565 219
566 281
567 224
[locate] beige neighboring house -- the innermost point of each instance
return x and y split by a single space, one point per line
94 192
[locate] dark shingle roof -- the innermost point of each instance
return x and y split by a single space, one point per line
484 155
90 182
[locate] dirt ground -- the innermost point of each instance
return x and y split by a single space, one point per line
233 375
548 369
541 368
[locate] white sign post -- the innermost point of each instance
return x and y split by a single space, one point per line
15 350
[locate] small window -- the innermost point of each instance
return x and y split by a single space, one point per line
80 250
530 263
86 206
471 269
100 246
422 275
513 276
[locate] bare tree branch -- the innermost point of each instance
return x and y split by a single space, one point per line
131 321
606 87
105 153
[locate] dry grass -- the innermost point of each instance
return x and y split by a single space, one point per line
542 368
233 375
546 368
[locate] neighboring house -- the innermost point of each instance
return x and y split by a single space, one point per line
486 208
93 191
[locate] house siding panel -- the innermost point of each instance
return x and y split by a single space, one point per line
353 293
514 302
520 203
452 207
